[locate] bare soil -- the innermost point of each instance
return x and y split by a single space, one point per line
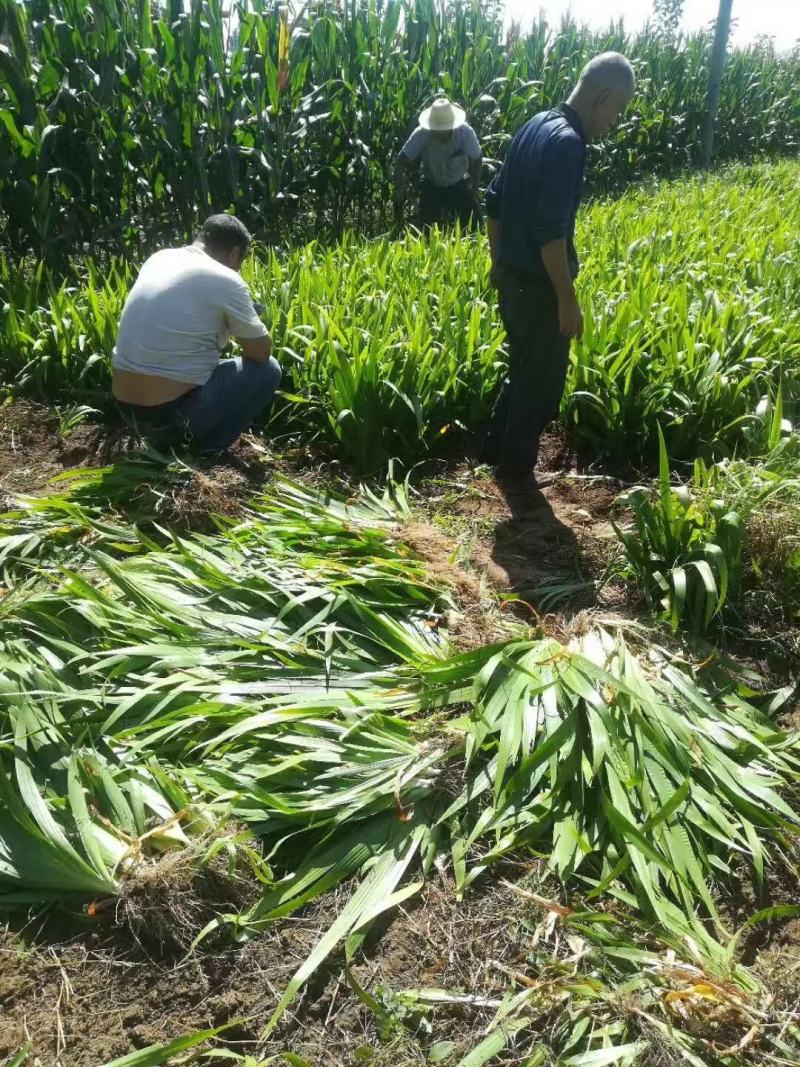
31 451
34 451
86 996
512 553
96 994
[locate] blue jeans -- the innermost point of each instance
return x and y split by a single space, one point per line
212 416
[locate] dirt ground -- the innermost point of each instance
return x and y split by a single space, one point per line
87 995
97 994
35 448
85 991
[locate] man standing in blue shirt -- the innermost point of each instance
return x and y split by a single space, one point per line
531 206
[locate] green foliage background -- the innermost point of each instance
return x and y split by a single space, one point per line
123 123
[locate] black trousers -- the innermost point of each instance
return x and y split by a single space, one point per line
447 203
538 355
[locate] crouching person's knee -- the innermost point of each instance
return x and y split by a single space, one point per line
274 373
265 378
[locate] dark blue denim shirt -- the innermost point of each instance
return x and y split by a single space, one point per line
536 194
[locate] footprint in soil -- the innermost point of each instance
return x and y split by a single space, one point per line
74 455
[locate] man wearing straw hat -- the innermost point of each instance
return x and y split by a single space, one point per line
451 158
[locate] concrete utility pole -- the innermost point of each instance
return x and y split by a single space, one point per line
715 78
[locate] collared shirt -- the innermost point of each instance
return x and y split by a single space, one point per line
536 194
445 162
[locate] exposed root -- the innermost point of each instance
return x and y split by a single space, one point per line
166 902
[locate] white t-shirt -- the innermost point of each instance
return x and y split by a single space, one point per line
182 310
443 162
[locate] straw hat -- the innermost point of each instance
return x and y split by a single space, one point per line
442 115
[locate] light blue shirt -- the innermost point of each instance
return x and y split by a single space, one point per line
444 162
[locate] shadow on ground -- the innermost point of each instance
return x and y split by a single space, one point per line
534 548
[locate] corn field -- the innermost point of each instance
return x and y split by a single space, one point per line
124 124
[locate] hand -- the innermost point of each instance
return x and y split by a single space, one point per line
570 317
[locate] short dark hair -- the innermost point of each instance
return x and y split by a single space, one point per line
223 233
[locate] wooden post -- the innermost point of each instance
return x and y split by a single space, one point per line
715 72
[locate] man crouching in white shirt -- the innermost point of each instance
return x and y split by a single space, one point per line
185 306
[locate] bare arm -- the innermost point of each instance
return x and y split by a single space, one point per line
402 172
243 322
556 263
256 349
494 210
